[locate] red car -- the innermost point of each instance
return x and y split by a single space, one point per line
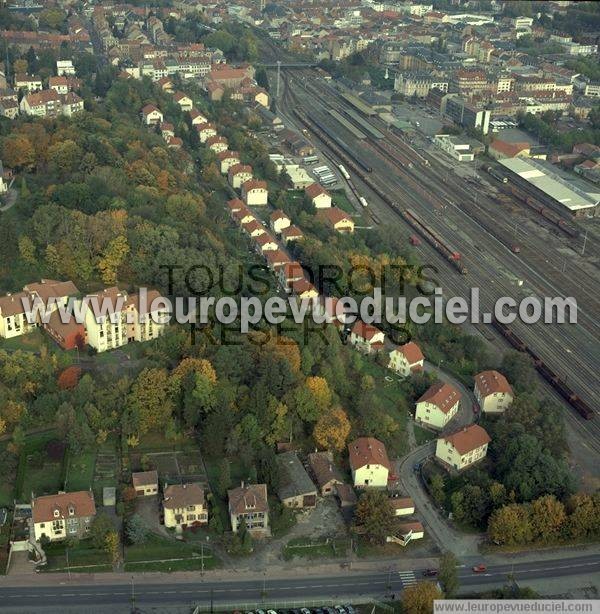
479 568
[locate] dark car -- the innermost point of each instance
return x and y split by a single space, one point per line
430 573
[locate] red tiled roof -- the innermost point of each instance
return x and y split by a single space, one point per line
181 495
489 382
82 503
314 190
441 395
412 352
365 331
468 439
143 478
254 184
250 498
367 451
333 215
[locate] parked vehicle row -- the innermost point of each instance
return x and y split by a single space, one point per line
338 609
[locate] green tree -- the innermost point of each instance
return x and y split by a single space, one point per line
374 516
150 400
224 479
419 598
448 574
136 530
437 488
510 525
100 527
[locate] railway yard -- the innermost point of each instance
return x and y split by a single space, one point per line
485 231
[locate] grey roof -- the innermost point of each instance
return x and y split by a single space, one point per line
293 479
564 192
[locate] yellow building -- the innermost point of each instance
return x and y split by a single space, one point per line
66 514
13 318
438 405
113 318
184 506
406 359
463 448
145 483
493 392
369 463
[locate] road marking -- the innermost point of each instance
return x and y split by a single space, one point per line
408 578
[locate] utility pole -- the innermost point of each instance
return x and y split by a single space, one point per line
584 241
278 76
133 609
202 557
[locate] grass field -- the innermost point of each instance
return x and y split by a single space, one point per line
80 470
316 549
422 435
81 557
159 553
40 466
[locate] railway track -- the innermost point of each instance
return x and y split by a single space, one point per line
545 351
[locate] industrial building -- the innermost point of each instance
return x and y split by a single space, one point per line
577 201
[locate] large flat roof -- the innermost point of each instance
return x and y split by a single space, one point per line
554 186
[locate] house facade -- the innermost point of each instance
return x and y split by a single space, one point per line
249 503
255 192
493 392
66 514
463 448
145 483
369 463
438 405
325 473
318 196
366 337
184 506
406 359
239 174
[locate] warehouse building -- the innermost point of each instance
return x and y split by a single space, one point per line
564 192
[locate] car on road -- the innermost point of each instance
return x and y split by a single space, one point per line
430 573
305 611
340 609
481 568
350 609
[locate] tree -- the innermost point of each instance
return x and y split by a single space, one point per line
510 525
448 574
313 398
111 545
113 257
69 378
548 518
419 598
100 527
437 488
332 429
224 479
18 153
27 250
150 400
64 157
519 370
136 530
374 516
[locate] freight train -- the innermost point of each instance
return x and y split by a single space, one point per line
578 404
444 248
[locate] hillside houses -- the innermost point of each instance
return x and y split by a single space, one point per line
463 448
438 405
492 392
406 359
369 463
49 103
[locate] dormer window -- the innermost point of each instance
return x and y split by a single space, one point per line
56 513
71 511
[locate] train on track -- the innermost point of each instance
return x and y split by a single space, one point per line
578 404
442 246
501 177
546 212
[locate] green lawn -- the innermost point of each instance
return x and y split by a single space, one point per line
83 555
156 551
80 471
34 342
40 467
422 435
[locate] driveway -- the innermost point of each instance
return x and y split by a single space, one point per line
446 537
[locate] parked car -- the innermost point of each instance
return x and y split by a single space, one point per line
479 568
340 609
305 611
430 573
350 609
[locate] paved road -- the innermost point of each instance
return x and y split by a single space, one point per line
347 586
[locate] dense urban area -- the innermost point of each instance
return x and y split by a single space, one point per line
310 154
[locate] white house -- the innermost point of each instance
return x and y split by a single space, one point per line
493 392
438 405
366 337
255 192
463 448
406 359
318 196
151 115
369 462
279 220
